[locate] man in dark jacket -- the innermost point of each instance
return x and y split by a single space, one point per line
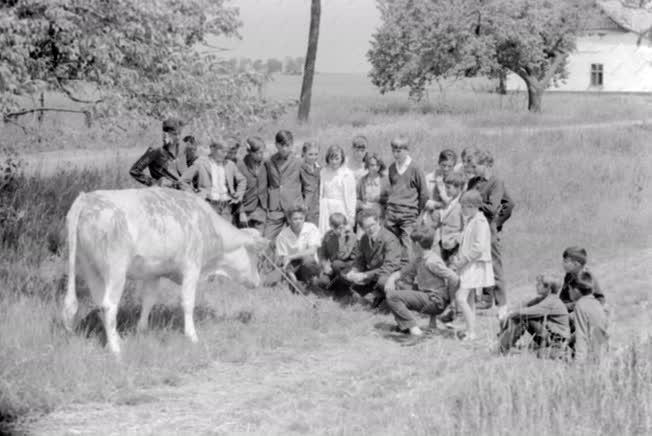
166 163
253 209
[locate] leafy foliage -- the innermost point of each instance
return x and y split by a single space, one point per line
424 40
141 56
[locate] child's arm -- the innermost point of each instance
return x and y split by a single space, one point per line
479 235
350 197
439 268
422 189
491 205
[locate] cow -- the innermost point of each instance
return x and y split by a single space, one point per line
149 234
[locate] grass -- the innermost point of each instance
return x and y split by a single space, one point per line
280 367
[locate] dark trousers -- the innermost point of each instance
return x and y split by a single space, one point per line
545 343
497 292
274 224
402 303
304 269
401 223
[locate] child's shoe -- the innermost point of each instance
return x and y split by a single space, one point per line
416 331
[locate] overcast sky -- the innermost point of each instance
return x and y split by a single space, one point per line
279 28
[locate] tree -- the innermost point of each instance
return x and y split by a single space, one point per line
274 66
140 57
258 65
423 40
311 57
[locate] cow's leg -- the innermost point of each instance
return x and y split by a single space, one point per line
148 300
115 284
188 291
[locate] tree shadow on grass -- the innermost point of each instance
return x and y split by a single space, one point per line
161 317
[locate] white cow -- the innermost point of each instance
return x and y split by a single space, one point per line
146 234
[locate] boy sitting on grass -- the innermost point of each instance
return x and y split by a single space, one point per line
590 338
545 318
436 285
574 262
337 254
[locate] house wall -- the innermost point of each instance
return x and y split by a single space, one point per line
626 66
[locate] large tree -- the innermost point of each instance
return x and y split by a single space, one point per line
311 58
137 56
423 40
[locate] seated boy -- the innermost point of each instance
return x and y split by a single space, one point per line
545 318
436 283
337 253
574 263
590 338
296 249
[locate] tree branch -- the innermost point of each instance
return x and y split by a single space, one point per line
559 58
8 116
74 98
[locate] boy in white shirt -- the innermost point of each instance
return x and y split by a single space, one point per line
296 248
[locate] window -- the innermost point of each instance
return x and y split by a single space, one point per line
596 74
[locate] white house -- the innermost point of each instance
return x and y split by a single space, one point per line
613 53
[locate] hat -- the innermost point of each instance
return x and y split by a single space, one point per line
172 125
577 254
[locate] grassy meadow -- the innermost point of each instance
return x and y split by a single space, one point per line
267 362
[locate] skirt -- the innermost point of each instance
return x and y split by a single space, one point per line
477 275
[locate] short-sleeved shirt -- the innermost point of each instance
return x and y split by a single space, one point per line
288 243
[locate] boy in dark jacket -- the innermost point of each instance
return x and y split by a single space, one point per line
497 207
590 336
337 254
574 262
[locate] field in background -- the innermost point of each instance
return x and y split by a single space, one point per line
269 363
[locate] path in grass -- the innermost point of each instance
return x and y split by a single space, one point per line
330 386
47 162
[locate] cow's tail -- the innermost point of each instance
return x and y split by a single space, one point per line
70 304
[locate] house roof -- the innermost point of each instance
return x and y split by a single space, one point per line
629 15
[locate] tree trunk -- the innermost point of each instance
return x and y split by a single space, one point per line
502 82
311 57
534 96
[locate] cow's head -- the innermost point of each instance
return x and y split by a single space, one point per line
241 265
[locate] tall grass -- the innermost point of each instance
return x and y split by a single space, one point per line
571 187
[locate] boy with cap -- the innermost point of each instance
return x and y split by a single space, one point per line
166 163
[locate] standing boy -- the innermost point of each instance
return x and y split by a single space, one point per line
408 194
497 207
284 183
436 284
438 198
165 164
217 180
379 255
253 210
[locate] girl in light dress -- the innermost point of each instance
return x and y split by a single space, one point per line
473 260
337 191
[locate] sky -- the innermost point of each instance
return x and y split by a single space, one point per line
279 28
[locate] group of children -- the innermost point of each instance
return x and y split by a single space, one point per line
425 243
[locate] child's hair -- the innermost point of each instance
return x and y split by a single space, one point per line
583 282
483 157
456 179
472 198
190 139
400 142
254 144
307 146
217 144
299 207
577 254
369 212
447 155
334 150
469 151
373 156
337 219
548 283
359 141
424 236
284 137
